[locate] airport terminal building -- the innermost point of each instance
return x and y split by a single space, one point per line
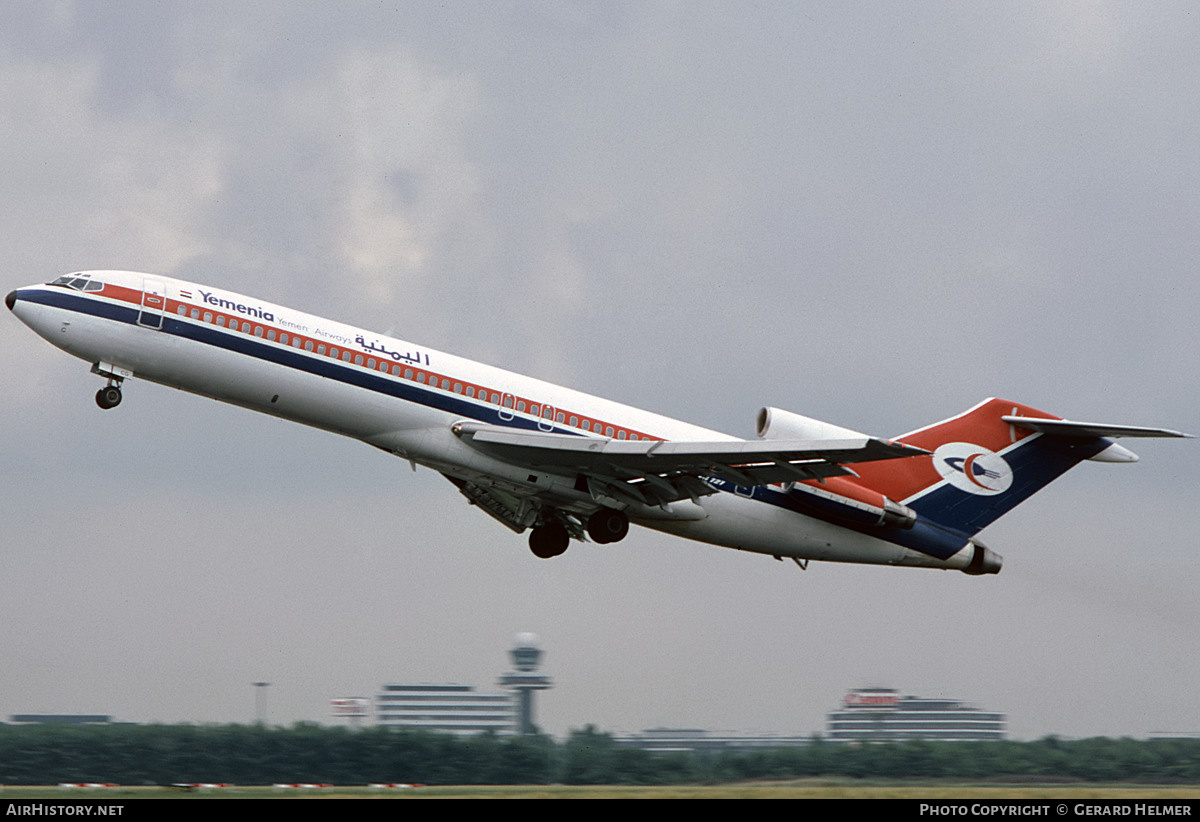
460 709
456 709
884 715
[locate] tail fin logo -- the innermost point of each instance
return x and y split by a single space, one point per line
973 468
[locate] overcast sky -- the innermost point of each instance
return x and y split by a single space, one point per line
876 214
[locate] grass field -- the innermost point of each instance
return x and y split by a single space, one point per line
797 789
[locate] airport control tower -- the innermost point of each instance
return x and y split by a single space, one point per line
525 680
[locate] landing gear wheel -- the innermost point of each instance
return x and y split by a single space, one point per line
607 525
549 540
108 397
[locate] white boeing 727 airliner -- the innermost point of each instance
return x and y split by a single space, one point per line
563 463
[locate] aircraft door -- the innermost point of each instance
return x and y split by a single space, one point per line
507 401
153 302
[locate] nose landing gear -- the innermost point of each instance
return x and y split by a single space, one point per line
110 395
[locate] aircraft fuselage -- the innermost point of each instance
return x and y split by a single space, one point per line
426 406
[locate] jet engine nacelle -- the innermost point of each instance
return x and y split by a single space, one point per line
777 424
837 498
983 560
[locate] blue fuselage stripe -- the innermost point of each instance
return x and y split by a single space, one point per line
316 364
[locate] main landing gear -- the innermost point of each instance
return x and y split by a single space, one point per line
551 538
607 525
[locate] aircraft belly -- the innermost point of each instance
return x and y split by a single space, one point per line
438 448
738 522
282 391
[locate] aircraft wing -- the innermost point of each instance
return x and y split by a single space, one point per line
655 472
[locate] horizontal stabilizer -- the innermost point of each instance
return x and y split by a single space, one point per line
1069 428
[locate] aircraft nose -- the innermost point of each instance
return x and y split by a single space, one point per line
11 300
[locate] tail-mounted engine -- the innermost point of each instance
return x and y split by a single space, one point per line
983 560
839 499
777 424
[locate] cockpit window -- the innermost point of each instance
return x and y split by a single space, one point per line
79 283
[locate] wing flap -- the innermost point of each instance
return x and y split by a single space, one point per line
513 512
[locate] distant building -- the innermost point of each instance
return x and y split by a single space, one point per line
1175 734
691 740
884 715
525 680
456 709
61 719
460 709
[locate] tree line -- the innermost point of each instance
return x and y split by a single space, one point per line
258 755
